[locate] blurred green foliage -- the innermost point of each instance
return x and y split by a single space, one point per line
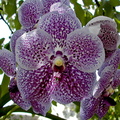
8 13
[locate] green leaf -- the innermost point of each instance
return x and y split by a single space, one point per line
5 110
73 1
77 109
54 103
4 85
17 23
115 2
108 9
0 91
88 16
117 15
7 46
1 72
20 2
1 42
87 2
98 11
9 7
117 108
79 13
6 98
118 23
50 110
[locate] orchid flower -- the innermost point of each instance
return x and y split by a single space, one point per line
107 72
56 61
30 11
91 105
7 62
46 72
106 29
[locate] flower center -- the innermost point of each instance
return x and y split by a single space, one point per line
109 91
58 64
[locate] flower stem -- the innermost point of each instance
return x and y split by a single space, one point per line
10 112
2 18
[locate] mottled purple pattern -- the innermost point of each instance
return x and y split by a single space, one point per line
30 12
102 20
32 49
106 29
91 106
47 4
7 62
14 38
108 36
102 108
88 107
59 25
73 85
107 73
16 96
62 8
40 107
35 84
116 79
86 50
108 53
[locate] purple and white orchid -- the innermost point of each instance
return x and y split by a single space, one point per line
54 58
91 105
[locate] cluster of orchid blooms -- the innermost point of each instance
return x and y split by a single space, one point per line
54 58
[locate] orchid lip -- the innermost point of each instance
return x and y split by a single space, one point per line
58 64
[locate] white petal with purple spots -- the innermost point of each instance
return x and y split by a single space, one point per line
35 84
14 38
29 13
47 4
106 29
40 107
33 49
62 8
107 73
85 50
59 25
16 95
7 62
73 85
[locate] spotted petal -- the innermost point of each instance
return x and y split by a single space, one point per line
14 38
106 29
107 73
59 25
73 85
116 79
40 107
7 62
33 49
47 4
85 50
88 107
16 96
108 53
35 84
62 8
91 106
29 13
102 109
